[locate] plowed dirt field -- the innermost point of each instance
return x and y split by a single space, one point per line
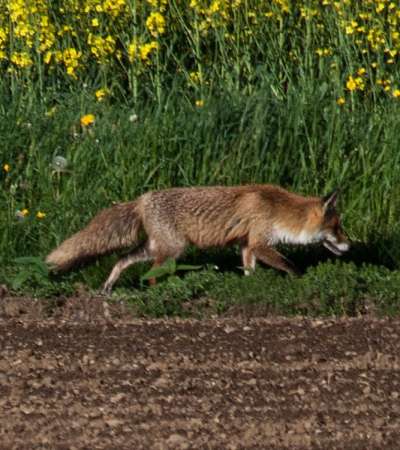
94 378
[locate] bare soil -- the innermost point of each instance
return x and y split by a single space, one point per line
82 374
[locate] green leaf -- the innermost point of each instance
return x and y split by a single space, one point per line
156 272
187 267
34 263
20 279
170 265
168 268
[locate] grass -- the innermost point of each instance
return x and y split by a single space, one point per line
267 111
234 139
331 288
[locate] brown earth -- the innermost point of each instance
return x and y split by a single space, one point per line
82 374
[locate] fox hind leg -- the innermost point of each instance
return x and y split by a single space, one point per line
161 252
153 250
140 254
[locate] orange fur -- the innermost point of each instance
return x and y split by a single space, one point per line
257 217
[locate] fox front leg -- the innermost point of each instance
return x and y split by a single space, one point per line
248 260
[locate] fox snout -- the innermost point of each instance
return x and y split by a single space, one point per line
333 236
336 244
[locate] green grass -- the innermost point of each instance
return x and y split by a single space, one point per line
332 288
308 146
270 114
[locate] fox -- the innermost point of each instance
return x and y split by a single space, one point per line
159 225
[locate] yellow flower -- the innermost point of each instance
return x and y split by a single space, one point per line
6 168
51 111
133 50
146 49
87 120
199 103
360 83
323 51
100 94
47 57
40 215
341 101
21 214
195 77
351 84
101 47
155 24
396 93
70 59
21 59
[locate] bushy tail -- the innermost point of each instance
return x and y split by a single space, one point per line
112 229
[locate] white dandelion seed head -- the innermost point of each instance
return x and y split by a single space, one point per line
59 163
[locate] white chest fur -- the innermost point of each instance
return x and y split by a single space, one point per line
284 236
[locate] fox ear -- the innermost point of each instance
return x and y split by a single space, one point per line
329 201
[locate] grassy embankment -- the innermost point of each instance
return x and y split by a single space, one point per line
101 101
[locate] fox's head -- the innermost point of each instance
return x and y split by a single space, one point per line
332 235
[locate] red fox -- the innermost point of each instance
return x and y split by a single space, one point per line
160 224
